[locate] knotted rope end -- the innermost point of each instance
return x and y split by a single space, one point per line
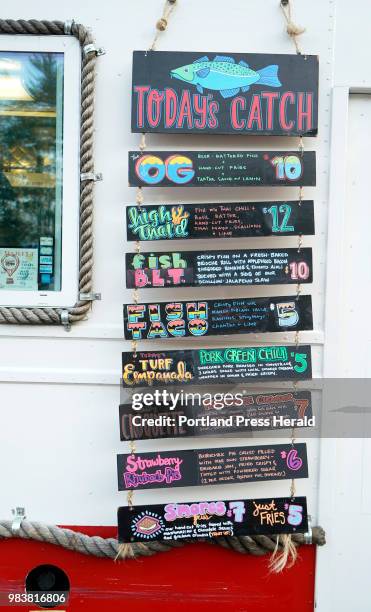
294 30
125 551
319 536
284 555
161 24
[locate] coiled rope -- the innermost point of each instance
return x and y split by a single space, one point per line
50 316
96 546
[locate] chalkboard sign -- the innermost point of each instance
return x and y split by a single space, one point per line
221 168
227 220
224 93
209 268
216 366
209 466
211 519
159 320
253 412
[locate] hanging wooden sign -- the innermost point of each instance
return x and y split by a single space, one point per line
226 220
224 93
216 366
211 466
209 268
211 519
221 168
159 320
242 413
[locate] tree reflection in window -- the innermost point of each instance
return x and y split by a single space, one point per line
31 143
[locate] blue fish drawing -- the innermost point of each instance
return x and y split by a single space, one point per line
224 75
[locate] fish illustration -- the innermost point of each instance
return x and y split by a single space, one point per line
224 75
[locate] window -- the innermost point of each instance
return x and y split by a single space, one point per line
39 170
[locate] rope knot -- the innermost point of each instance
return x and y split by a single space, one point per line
161 25
143 143
294 30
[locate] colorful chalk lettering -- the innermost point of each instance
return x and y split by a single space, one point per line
209 466
210 519
217 366
226 220
228 93
159 320
221 168
209 268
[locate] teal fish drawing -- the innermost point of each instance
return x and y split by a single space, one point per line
224 75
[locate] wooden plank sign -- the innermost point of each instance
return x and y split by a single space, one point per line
221 168
244 413
224 93
216 366
209 268
211 466
205 519
224 220
160 320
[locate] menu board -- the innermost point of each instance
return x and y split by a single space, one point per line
253 412
208 268
159 320
221 168
211 466
211 519
216 366
225 220
224 93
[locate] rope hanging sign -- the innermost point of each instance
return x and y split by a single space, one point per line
238 93
281 545
161 80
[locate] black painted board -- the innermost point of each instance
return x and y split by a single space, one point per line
211 519
216 366
211 466
224 93
253 412
221 168
162 320
209 268
220 220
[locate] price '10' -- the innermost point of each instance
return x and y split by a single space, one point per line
287 168
299 270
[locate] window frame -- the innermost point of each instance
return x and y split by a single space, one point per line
69 293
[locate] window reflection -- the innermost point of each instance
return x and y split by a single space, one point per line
31 139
